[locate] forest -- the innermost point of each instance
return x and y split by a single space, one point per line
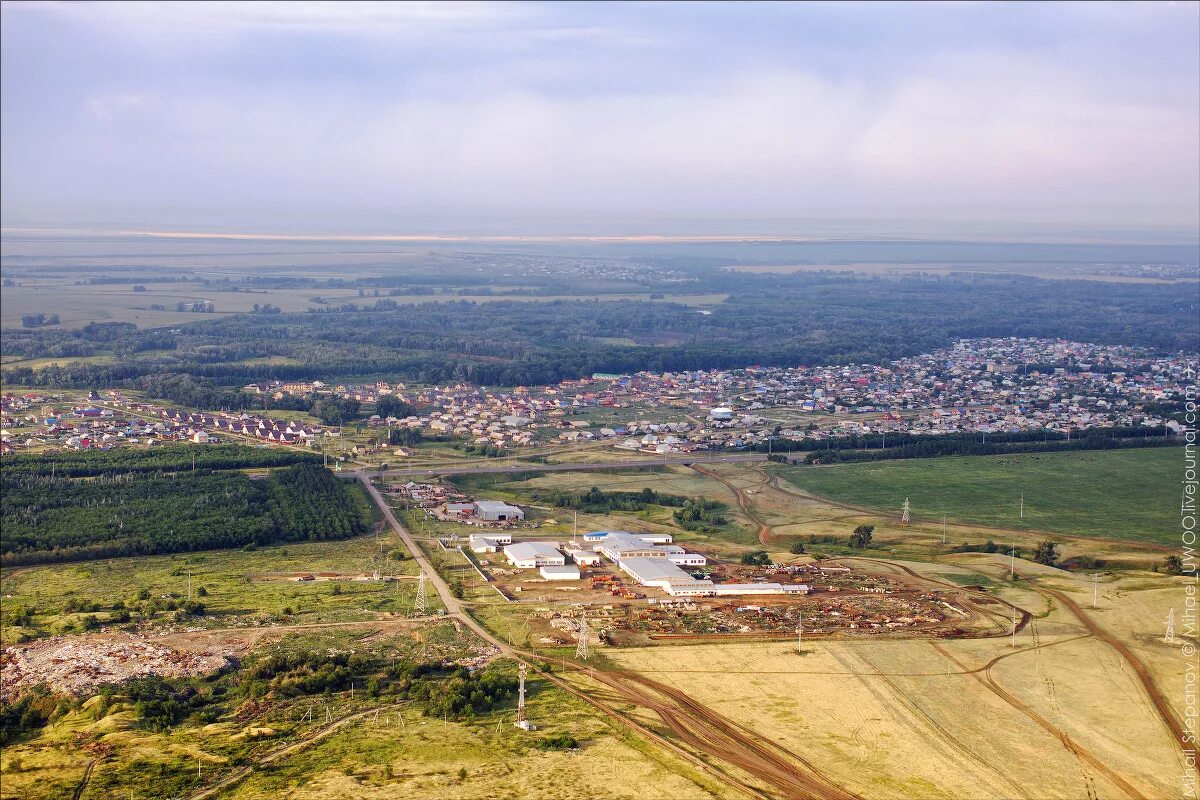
169 458
56 518
769 319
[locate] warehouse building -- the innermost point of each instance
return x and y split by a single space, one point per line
568 572
620 545
489 543
534 554
662 574
583 558
496 511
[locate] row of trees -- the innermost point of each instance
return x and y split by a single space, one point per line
835 451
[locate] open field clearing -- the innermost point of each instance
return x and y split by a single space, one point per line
79 305
240 587
1120 494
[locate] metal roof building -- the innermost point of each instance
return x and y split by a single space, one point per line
534 554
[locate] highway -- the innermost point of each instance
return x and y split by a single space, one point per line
639 463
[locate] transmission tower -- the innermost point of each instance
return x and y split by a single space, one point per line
522 723
1171 626
422 595
905 516
581 649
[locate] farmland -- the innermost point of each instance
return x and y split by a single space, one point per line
1126 494
868 714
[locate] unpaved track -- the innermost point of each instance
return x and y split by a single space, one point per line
87 776
764 530
987 680
287 750
1165 712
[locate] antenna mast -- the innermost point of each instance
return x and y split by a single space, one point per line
522 723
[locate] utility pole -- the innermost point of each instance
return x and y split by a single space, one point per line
1014 628
943 529
905 516
1095 587
800 635
1012 560
1171 626
1022 505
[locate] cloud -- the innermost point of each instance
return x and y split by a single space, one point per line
320 114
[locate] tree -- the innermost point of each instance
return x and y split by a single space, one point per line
862 536
990 547
1173 565
757 558
390 406
1046 553
797 548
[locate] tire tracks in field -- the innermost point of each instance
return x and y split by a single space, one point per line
287 749
985 678
764 530
87 776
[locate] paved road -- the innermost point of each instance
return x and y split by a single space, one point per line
630 464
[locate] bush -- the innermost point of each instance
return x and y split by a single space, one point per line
758 558
557 741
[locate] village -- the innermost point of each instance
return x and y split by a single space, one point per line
976 386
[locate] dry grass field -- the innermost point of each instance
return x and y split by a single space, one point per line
914 719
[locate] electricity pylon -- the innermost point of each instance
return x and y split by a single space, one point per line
422 596
581 649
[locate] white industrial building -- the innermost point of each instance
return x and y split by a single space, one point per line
568 572
620 545
583 558
534 554
721 414
489 543
661 573
724 589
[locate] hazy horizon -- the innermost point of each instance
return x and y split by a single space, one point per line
1006 121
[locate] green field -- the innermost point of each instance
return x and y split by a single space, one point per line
239 586
1118 494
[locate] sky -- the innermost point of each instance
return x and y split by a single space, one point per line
605 118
